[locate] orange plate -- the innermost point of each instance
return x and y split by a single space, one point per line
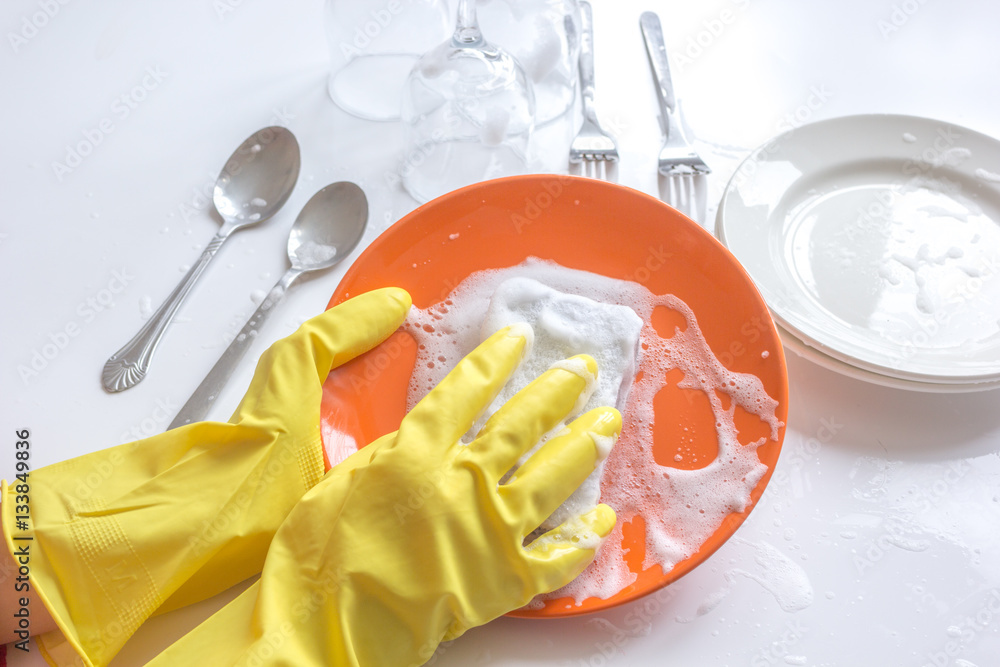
582 224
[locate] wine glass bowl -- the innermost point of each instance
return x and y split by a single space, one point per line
544 36
373 44
468 112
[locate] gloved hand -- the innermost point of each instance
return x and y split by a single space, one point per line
378 563
159 523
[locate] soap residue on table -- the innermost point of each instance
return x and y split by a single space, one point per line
681 508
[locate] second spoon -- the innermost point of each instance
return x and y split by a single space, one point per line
327 229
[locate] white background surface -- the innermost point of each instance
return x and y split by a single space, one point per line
876 542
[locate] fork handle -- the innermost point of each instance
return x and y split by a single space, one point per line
587 61
652 35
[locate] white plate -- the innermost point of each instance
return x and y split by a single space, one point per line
817 356
876 238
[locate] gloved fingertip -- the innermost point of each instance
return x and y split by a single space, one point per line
605 421
587 361
399 295
520 333
581 365
601 520
521 330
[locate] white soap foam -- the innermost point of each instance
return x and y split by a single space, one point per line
681 508
565 325
311 252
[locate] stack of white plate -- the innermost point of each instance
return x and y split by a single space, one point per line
875 240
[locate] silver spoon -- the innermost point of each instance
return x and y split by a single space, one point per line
256 181
327 229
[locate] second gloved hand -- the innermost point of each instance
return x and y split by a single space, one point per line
129 531
381 562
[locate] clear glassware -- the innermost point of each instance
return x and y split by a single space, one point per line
468 111
544 36
374 45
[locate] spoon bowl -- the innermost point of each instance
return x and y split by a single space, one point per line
258 177
468 113
329 227
326 230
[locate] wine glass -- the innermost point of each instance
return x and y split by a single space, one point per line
544 36
373 45
468 112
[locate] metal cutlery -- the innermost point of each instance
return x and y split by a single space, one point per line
677 157
593 148
255 182
326 231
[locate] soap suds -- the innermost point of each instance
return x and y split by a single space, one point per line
563 326
681 508
312 253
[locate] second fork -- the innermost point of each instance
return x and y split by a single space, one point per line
593 148
677 157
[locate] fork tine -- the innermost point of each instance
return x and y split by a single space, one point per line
688 194
682 193
700 185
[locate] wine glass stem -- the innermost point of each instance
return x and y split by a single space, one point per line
467 31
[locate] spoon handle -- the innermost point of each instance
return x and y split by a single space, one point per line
128 366
204 396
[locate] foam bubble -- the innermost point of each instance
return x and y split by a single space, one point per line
680 508
564 326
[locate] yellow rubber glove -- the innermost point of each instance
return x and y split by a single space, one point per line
379 563
152 525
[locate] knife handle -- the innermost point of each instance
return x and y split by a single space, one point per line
652 35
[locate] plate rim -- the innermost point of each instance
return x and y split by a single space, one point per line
732 521
804 350
828 346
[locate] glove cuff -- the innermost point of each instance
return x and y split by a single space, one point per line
164 522
21 537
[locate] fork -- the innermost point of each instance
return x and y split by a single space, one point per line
593 148
677 157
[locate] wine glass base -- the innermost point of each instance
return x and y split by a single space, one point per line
371 87
438 168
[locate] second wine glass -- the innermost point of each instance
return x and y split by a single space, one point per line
468 111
